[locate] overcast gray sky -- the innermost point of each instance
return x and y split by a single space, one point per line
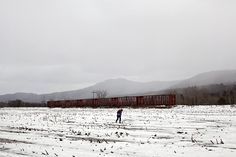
58 45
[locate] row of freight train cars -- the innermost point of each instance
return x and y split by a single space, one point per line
153 101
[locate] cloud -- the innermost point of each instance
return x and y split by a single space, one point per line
69 44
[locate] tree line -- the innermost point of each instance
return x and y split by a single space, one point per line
217 94
20 103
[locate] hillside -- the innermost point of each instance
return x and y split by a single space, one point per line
208 78
122 87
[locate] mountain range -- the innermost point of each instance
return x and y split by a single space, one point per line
124 87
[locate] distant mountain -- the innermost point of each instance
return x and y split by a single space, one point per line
114 87
209 78
29 97
123 87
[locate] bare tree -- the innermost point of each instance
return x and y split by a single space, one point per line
101 93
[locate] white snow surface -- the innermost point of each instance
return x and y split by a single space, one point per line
182 131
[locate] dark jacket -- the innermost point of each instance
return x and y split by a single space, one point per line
119 112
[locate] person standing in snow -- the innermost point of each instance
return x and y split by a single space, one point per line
119 113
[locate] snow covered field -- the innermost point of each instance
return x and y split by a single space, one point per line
77 132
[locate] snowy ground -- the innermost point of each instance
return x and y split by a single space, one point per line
181 131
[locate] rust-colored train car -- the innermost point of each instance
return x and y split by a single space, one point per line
154 101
